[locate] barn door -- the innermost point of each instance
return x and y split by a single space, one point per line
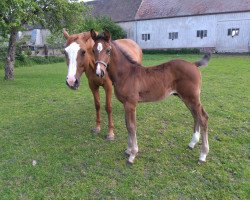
233 36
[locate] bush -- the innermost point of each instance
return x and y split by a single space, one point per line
1 64
24 58
102 23
3 51
42 60
23 63
107 24
26 61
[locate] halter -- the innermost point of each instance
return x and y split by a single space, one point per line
99 61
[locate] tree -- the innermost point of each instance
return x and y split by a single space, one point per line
51 14
101 23
107 24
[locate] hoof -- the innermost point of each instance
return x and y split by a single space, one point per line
110 137
201 162
190 148
127 152
95 131
128 163
131 158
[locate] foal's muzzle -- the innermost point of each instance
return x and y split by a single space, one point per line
99 71
101 74
75 86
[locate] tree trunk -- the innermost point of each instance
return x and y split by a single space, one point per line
10 59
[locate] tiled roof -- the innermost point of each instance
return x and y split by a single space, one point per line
130 10
118 10
151 9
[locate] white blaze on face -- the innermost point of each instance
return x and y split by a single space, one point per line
99 47
98 67
72 51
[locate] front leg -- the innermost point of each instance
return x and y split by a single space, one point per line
130 118
108 107
95 92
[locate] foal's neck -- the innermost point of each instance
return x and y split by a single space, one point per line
120 66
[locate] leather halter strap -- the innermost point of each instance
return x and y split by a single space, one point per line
99 61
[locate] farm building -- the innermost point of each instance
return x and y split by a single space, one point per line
221 25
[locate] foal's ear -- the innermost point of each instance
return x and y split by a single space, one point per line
107 35
93 34
65 33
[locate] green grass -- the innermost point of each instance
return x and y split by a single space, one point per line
42 120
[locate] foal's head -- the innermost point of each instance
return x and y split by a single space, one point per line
77 56
102 50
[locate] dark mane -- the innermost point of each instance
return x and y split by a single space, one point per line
126 55
100 37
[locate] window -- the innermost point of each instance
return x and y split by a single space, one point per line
173 35
233 32
145 36
201 33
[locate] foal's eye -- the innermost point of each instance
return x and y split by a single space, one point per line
108 51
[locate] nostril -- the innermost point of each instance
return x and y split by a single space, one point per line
102 73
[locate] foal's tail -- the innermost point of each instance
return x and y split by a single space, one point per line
203 61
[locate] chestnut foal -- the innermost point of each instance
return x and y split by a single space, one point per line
80 59
134 83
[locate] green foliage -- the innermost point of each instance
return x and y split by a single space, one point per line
56 40
51 124
3 51
105 23
23 60
52 14
31 61
99 24
43 60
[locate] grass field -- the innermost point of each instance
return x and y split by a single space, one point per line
42 121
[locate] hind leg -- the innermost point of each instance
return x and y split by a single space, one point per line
130 119
205 145
200 124
193 106
201 119
196 135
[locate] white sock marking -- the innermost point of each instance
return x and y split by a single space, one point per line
203 157
131 158
195 139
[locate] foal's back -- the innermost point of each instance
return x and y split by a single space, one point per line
157 82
